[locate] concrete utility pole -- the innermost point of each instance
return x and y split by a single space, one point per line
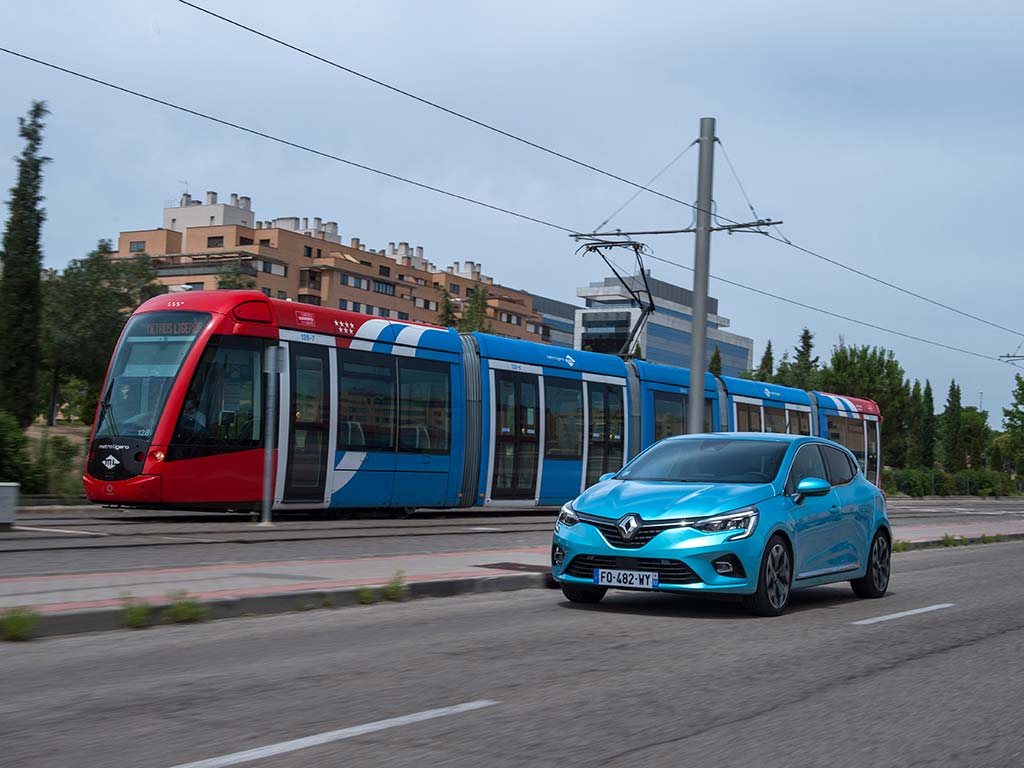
701 259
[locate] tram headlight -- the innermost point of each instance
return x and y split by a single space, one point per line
157 455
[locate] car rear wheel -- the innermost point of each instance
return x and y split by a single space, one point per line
875 580
775 580
581 593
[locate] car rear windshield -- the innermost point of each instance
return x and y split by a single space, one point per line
717 460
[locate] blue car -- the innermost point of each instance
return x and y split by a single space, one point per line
753 515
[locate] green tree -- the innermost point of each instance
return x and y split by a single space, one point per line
446 314
975 435
22 262
802 370
715 364
928 427
1013 425
84 310
952 442
234 279
474 316
766 370
875 373
915 428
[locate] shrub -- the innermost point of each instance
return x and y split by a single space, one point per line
184 610
15 465
394 590
900 546
138 615
366 596
18 624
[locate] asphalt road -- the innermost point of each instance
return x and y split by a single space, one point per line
66 540
639 680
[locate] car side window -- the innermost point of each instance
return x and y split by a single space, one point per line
806 463
840 469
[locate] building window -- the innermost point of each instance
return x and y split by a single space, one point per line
379 286
368 309
174 223
384 312
385 271
357 307
307 250
137 246
267 267
282 294
211 221
215 242
265 241
245 241
194 286
453 289
318 253
266 291
403 315
313 300
342 304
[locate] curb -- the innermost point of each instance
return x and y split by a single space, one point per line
959 541
107 619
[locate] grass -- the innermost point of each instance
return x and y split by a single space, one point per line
949 540
327 601
900 546
366 596
184 610
18 624
394 590
138 615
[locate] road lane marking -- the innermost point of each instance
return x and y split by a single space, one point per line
903 614
57 530
318 739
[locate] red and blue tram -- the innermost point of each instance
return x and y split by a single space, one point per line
380 413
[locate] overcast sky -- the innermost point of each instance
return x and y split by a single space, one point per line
885 135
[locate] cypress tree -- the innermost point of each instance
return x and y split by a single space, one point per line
715 365
915 427
928 427
446 312
766 369
21 288
952 441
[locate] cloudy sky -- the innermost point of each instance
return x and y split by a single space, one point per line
885 135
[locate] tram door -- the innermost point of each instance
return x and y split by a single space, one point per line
516 435
309 428
606 434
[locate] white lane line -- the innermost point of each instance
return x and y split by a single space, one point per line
902 614
316 740
58 530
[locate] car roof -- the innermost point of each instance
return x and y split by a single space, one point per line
775 437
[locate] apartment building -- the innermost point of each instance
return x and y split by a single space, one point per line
206 245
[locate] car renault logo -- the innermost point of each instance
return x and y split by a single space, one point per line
628 526
110 462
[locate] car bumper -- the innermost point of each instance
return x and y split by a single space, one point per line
696 550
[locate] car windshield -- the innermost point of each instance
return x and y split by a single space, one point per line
146 362
712 460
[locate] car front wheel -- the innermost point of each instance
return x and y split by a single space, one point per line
875 580
581 593
775 580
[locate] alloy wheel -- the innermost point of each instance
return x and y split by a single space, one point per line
777 576
880 563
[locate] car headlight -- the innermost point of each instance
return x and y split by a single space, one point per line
567 515
743 521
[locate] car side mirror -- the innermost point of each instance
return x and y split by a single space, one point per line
606 476
811 486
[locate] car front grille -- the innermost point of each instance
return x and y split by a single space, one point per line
669 571
614 536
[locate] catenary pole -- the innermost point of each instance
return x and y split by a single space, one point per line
701 266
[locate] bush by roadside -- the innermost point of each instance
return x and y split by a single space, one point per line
967 482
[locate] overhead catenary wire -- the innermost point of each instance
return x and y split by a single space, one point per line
464 198
650 181
780 238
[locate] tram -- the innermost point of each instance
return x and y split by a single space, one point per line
381 413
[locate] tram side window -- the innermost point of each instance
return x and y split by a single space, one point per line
424 406
223 407
366 401
669 415
748 417
849 433
799 423
872 471
774 419
563 431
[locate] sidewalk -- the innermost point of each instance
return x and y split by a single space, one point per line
93 601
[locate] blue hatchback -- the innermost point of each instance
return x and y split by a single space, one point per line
754 515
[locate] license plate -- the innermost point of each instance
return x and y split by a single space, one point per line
634 579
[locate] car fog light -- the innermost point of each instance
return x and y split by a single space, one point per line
557 555
729 565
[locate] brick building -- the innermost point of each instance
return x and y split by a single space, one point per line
205 244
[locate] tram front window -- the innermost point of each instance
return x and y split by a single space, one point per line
146 363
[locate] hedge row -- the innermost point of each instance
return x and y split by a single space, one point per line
967 482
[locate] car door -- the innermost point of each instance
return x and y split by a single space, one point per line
816 519
855 508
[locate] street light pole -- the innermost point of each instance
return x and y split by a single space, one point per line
701 259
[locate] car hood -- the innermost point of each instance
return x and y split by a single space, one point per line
661 500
